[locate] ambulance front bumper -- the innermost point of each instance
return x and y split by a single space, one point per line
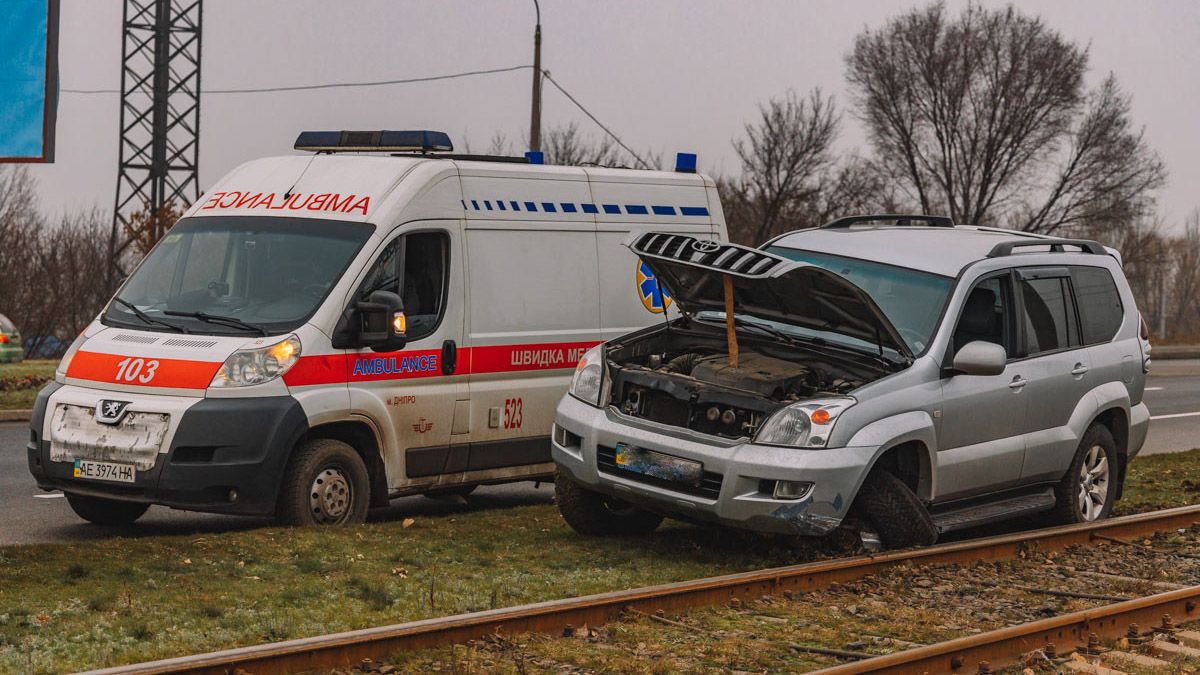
218 455
739 479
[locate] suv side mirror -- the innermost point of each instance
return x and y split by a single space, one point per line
381 321
980 358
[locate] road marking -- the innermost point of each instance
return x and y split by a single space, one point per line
52 495
1154 388
1167 417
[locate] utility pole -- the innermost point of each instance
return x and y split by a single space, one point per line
535 111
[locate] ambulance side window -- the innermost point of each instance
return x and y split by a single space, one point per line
415 266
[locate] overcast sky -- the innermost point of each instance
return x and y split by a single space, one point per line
670 76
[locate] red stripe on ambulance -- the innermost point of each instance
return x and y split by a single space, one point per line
141 371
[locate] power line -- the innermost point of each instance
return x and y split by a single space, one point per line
600 124
328 85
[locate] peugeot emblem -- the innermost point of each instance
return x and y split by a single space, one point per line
111 412
705 245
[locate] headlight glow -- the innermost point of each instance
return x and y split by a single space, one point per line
587 384
247 367
806 424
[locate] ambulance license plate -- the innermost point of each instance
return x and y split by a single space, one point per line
658 465
110 471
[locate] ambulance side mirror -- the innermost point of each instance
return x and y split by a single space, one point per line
381 322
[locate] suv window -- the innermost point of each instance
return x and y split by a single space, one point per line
986 315
414 266
1100 308
1050 322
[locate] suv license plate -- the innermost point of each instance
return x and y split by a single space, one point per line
110 471
658 465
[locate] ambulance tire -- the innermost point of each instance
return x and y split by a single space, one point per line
594 514
103 511
326 483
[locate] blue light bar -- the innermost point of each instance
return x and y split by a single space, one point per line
535 157
374 141
685 162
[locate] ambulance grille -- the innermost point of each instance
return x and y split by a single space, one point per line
731 258
183 342
136 339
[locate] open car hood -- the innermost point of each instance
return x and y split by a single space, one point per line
765 285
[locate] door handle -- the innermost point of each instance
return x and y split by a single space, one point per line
1017 382
449 357
1079 369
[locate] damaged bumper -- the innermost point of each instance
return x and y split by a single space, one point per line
738 483
199 454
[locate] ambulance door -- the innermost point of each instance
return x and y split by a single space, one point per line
534 312
413 392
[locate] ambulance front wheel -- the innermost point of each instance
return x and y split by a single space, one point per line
103 511
326 483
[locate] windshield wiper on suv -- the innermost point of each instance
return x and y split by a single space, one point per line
146 318
224 320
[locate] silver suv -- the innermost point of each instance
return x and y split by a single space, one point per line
918 376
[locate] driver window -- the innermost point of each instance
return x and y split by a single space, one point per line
986 315
414 266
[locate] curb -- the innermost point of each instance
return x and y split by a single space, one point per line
15 415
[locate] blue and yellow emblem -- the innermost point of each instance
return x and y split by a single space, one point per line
654 298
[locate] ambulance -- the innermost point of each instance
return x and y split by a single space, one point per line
321 333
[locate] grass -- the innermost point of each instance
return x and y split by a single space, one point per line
119 600
20 382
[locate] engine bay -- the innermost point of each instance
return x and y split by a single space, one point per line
685 379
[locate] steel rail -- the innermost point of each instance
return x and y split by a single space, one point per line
1006 646
351 647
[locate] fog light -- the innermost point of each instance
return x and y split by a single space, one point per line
792 489
233 496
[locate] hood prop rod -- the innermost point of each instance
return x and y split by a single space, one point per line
730 322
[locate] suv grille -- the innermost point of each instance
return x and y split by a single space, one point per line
709 487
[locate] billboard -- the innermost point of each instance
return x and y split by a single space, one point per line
28 79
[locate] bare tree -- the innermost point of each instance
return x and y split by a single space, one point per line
984 117
785 155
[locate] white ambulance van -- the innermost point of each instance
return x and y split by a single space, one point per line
321 333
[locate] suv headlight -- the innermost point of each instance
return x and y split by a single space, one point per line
259 365
807 424
587 384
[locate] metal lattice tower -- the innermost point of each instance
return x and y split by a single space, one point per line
160 122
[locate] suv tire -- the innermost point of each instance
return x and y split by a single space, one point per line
898 515
1092 476
326 483
594 514
103 511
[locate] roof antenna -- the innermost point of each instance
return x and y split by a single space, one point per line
288 195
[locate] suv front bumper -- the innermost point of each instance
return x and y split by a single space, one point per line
744 472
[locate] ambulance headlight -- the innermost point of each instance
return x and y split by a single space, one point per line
259 365
587 384
65 363
807 424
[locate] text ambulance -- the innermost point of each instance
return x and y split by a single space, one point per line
321 333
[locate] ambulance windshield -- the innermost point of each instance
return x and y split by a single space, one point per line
237 275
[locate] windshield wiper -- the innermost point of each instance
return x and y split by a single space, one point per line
146 318
224 320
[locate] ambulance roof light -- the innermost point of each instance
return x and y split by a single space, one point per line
374 141
685 162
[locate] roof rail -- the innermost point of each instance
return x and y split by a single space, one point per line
902 220
1005 248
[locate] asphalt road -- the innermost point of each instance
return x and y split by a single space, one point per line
30 516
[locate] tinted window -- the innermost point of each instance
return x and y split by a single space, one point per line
1049 314
1100 309
985 315
414 267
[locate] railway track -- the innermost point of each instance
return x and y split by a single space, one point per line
653 604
